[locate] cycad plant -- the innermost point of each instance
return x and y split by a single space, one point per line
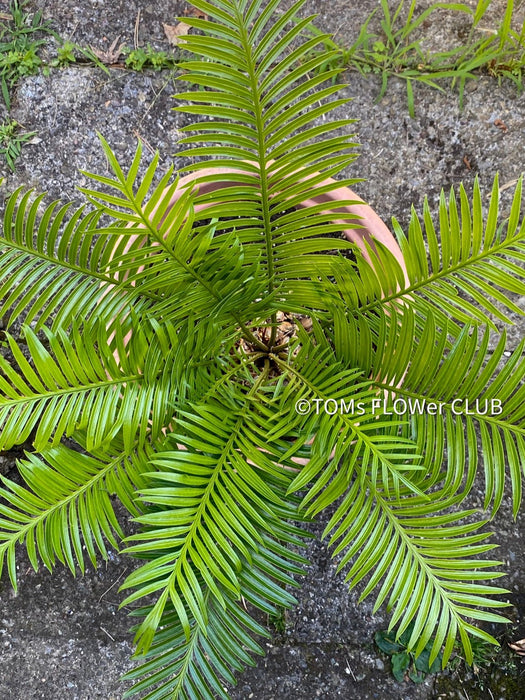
227 367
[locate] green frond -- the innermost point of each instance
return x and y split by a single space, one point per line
340 423
198 668
257 100
215 533
424 559
64 509
472 265
468 391
184 267
190 537
53 265
178 666
453 397
74 383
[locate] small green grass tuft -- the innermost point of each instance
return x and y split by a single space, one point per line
278 619
396 48
141 58
66 55
21 37
11 140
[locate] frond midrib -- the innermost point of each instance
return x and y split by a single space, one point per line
70 390
191 645
204 501
261 144
206 497
59 263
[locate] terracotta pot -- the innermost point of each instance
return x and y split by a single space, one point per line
372 228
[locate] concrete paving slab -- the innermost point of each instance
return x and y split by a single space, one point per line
98 23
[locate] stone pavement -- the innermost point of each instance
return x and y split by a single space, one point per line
62 638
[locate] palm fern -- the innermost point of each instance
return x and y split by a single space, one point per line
153 364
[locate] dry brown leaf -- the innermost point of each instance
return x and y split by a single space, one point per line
501 125
110 56
175 32
518 647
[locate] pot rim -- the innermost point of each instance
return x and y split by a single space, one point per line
359 213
